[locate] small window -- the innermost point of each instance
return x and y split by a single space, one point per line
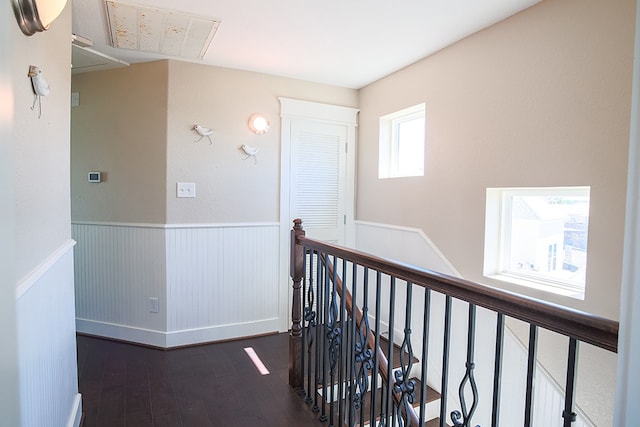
402 138
537 237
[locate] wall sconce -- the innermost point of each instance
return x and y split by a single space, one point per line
36 15
258 124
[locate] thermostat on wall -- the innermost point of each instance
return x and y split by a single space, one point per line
94 176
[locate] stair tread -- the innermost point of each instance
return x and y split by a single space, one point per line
434 423
384 345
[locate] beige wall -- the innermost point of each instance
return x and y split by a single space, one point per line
135 124
40 145
229 189
34 177
540 99
119 129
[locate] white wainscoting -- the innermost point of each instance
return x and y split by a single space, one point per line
117 269
213 281
47 344
222 282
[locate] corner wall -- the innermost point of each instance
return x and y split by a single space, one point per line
120 129
39 282
9 392
212 261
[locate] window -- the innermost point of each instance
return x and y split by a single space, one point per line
537 237
402 137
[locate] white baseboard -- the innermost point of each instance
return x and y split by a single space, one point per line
121 332
222 332
76 412
176 338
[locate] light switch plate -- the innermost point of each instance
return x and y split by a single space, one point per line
186 189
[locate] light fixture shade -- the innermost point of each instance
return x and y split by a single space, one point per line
36 15
258 124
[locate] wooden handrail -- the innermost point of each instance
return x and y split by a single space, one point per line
582 326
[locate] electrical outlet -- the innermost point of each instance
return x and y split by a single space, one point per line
154 305
185 189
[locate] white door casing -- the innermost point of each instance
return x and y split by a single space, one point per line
317 179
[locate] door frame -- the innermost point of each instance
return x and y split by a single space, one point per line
291 110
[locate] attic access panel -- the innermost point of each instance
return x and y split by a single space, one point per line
154 30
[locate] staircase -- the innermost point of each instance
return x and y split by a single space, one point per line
432 400
350 375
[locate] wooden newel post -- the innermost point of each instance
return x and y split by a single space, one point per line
295 336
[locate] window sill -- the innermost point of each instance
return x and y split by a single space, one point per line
538 286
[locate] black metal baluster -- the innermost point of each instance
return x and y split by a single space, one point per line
364 355
376 364
304 320
304 323
463 419
497 370
388 403
333 338
404 385
310 318
445 361
319 342
352 345
572 362
342 361
425 355
531 371
325 350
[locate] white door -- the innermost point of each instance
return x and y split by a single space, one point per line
318 179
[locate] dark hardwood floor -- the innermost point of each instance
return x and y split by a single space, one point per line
209 385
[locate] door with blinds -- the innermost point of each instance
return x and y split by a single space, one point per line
318 178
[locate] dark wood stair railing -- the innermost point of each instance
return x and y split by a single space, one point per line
320 329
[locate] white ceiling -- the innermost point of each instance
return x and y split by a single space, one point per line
348 43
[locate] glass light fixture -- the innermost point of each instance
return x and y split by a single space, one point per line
258 124
36 15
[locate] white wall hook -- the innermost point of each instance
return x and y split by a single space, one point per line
250 152
203 132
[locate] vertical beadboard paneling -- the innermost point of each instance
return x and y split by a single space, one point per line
212 281
221 277
193 268
118 268
47 348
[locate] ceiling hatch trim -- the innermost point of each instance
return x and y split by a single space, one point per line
163 31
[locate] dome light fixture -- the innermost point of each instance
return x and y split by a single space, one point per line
258 124
36 15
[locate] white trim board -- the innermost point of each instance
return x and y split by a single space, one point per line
76 412
37 273
174 339
421 243
296 108
177 226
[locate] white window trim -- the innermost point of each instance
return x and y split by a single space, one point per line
388 141
497 243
